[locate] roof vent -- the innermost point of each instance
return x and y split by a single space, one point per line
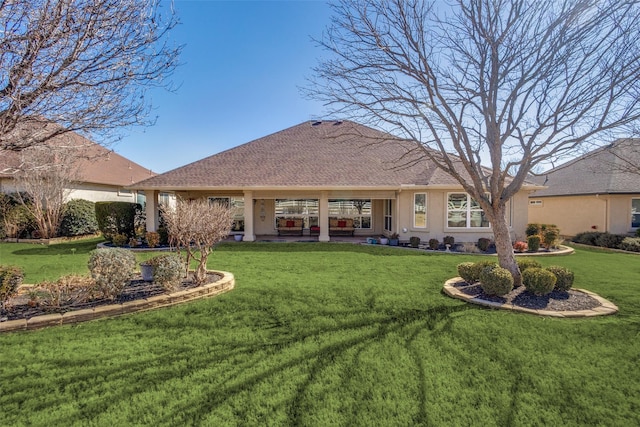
337 122
316 123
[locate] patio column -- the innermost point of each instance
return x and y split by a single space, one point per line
324 217
249 236
151 210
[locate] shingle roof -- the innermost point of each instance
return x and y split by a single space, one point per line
95 163
328 154
602 171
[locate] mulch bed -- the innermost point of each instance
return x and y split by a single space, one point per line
555 301
18 308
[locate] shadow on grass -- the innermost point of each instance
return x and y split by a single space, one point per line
317 247
75 247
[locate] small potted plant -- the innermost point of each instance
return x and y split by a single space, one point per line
383 240
394 239
434 244
146 270
414 241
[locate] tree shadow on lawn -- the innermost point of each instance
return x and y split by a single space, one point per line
318 247
81 247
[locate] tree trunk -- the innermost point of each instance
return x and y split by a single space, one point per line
200 275
504 248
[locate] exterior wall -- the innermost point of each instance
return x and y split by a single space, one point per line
576 214
91 192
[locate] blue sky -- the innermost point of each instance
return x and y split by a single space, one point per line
243 64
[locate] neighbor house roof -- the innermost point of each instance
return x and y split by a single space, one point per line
606 170
95 164
320 154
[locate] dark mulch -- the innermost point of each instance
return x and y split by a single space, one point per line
18 308
555 301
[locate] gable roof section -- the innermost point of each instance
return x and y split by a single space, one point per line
95 163
602 171
328 154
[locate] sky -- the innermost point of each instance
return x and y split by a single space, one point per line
243 64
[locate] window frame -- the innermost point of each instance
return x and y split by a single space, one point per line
635 212
359 218
426 223
469 204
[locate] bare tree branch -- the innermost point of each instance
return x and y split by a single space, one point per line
83 64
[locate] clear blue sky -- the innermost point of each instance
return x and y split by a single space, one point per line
243 64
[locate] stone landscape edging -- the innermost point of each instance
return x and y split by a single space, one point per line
606 307
225 284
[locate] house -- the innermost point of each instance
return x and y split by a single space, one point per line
102 175
325 177
597 191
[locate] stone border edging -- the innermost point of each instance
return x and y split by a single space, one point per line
165 300
606 308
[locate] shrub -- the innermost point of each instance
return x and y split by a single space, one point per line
520 246
533 243
525 263
468 247
550 237
532 229
468 272
449 240
538 281
119 239
167 271
587 238
434 244
414 241
483 244
631 244
112 270
117 218
496 280
564 277
152 238
10 279
164 235
78 218
608 240
67 290
638 232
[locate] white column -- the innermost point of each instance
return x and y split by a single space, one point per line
249 235
324 217
151 210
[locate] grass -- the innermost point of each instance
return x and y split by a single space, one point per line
334 334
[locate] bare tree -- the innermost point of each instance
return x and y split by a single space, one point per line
196 226
46 177
82 64
511 84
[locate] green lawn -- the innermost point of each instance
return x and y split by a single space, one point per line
331 334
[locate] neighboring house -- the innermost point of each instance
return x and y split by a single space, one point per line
597 191
102 175
327 173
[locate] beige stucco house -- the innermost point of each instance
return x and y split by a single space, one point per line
328 176
102 174
598 191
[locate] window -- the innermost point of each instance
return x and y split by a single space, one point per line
635 213
388 215
237 204
420 210
164 199
307 209
537 203
359 210
464 212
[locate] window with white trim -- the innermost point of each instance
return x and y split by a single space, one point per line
388 215
635 213
358 209
464 212
420 210
305 209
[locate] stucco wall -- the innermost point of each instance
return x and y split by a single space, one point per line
91 192
576 214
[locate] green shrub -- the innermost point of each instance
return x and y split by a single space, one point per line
524 263
117 218
467 270
608 240
152 238
631 244
587 237
638 232
483 244
414 241
449 240
538 281
564 277
119 239
167 271
78 218
112 270
164 236
434 244
10 279
496 280
532 229
533 243
550 237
